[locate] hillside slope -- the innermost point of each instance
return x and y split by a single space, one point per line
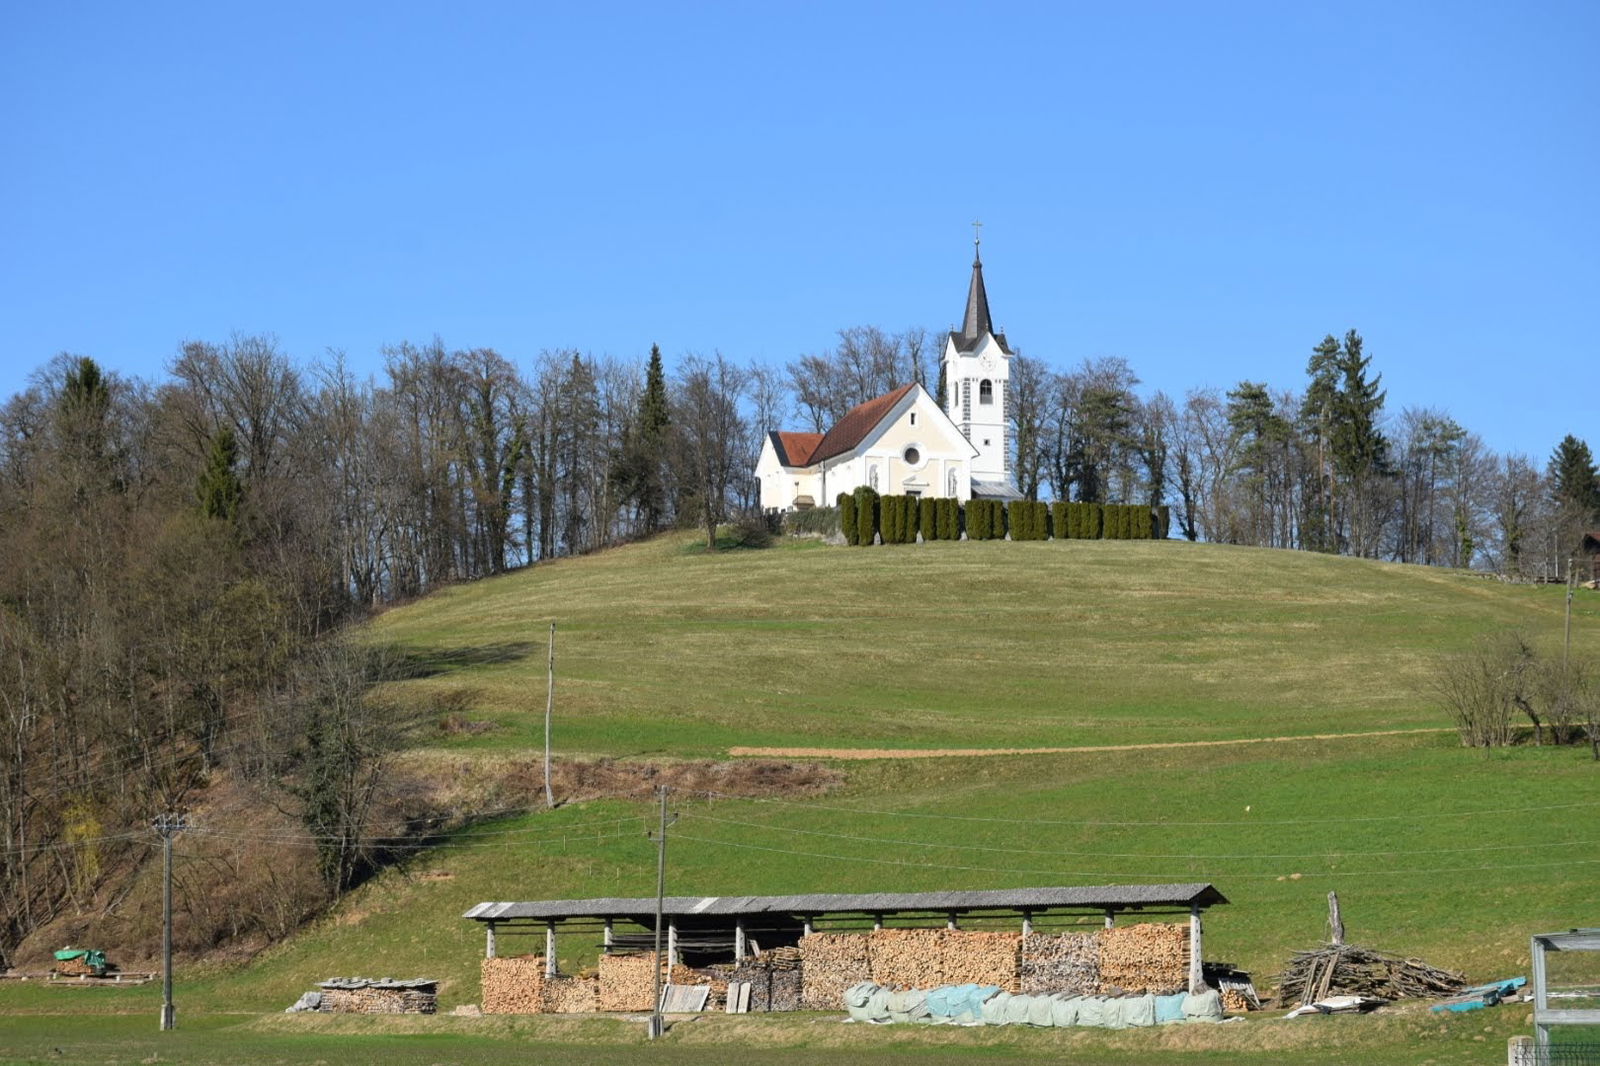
987 644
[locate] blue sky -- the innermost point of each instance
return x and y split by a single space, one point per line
1203 189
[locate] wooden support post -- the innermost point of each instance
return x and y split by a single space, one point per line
877 922
738 940
1111 919
1335 921
672 942
808 928
550 948
950 921
1197 980
1027 923
490 946
609 933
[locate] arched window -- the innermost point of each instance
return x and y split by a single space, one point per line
985 391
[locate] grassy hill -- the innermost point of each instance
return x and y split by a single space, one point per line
1455 855
974 644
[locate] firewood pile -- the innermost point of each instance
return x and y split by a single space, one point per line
513 986
912 958
1237 1001
831 963
360 995
1061 962
1150 957
980 958
77 967
627 982
572 995
1350 970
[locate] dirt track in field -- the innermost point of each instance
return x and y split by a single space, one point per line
940 753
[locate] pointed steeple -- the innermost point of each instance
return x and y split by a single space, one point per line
976 321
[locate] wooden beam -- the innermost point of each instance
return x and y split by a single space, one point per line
950 921
490 945
1027 923
738 939
1111 919
550 948
877 922
608 934
672 942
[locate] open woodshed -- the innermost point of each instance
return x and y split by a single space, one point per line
758 953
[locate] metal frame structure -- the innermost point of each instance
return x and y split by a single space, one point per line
1544 1016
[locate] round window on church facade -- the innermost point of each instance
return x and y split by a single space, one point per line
911 456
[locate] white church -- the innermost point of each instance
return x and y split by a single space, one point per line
902 443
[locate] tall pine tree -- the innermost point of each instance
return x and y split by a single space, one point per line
1574 481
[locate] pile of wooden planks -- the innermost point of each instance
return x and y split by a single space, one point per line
513 986
1061 962
1149 957
831 963
1350 970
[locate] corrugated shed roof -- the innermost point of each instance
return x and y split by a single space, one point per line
860 420
1095 897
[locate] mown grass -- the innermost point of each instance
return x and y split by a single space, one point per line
988 644
1407 1039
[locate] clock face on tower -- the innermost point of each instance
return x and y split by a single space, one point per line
987 362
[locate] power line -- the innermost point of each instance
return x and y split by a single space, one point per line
1496 812
1100 874
1337 854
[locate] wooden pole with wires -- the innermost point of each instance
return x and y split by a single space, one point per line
549 711
656 1023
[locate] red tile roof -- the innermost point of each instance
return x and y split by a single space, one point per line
853 428
794 449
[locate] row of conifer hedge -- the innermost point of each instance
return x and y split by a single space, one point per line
865 517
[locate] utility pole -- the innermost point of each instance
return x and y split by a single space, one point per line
168 825
549 709
656 1022
1566 645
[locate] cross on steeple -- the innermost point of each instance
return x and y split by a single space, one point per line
977 237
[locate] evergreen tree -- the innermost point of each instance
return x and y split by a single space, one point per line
642 466
219 491
1360 450
1316 415
1574 481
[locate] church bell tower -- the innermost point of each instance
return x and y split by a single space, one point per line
977 374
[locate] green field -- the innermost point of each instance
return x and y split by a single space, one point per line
1450 854
966 644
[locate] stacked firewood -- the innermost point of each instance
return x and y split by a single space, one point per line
1152 957
831 963
1061 962
514 986
907 958
979 958
627 982
74 967
378 1000
1237 1001
572 995
1349 970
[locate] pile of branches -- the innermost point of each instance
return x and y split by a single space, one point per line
1351 970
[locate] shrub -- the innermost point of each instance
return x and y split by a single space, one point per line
1060 524
949 519
847 517
1093 521
980 523
893 518
928 518
1017 512
1163 522
866 516
823 520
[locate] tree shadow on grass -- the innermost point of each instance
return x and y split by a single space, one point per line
431 662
